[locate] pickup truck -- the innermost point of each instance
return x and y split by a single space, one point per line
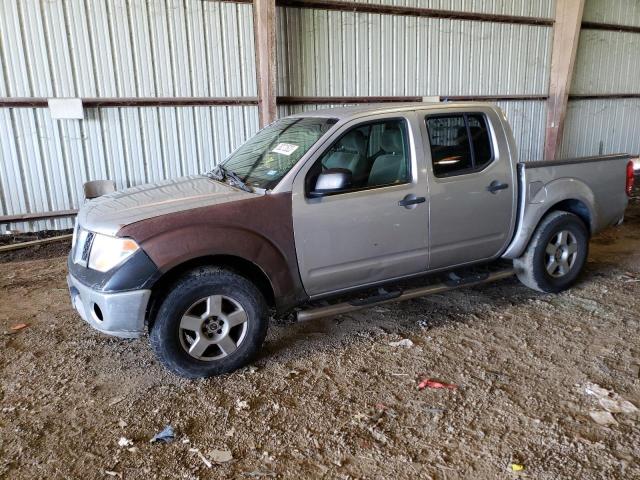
325 205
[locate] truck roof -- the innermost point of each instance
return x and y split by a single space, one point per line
345 113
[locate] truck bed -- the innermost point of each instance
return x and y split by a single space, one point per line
591 187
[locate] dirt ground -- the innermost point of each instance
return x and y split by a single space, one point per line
332 398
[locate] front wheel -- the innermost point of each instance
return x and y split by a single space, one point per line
213 321
556 253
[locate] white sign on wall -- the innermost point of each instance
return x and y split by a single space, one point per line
66 108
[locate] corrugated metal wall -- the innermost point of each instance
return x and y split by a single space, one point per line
617 12
118 48
326 53
343 53
525 8
602 126
126 48
607 62
196 48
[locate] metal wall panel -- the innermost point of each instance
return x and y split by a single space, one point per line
118 48
601 126
527 8
126 48
527 119
618 12
607 62
344 53
45 162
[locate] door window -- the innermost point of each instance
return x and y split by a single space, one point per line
459 143
375 154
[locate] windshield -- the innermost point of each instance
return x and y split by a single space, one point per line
265 158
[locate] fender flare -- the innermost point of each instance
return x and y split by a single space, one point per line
544 201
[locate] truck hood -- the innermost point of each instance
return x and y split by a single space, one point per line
109 213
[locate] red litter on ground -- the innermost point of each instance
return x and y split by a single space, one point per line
433 383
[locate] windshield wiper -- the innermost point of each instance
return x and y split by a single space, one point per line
220 174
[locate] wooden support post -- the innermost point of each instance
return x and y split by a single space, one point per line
264 28
566 32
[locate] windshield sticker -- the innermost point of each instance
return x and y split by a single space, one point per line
285 149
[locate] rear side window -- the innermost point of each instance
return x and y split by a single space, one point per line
459 143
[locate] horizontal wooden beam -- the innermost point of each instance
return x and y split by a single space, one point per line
310 100
602 96
610 27
21 102
18 246
413 11
111 102
30 217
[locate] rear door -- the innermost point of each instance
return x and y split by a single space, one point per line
362 235
473 191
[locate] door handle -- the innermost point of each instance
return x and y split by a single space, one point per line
496 185
410 201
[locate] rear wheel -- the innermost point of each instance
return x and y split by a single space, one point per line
213 321
556 253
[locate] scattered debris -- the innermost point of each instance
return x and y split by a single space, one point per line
202 457
603 418
405 343
241 405
230 432
18 326
122 423
115 400
124 442
423 323
433 383
436 410
132 449
221 456
111 473
165 436
618 405
610 401
258 474
517 467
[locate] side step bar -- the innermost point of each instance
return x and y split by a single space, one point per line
344 307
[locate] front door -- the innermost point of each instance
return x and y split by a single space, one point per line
367 232
472 191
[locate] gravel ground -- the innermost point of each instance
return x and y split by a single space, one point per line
332 398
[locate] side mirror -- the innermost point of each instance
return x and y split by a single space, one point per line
330 181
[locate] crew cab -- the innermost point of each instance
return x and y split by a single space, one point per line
328 204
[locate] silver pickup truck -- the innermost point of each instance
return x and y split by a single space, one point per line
339 205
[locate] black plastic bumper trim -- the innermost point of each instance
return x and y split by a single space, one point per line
136 273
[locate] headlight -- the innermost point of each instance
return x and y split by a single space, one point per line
108 252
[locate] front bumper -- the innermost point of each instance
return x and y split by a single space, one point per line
121 314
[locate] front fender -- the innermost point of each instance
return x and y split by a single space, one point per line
171 248
258 230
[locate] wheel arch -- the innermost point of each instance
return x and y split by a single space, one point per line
578 207
246 268
563 194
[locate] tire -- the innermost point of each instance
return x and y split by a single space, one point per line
549 265
212 322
